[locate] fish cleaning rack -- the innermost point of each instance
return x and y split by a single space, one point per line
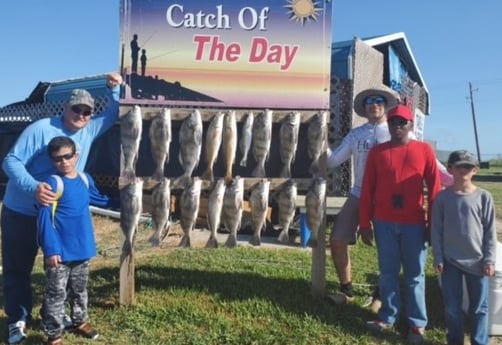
144 168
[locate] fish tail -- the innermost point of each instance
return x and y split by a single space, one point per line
255 240
231 241
286 171
208 174
212 242
259 171
158 174
129 174
283 236
228 176
314 168
185 242
243 161
155 239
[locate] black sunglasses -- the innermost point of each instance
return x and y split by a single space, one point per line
81 111
398 122
66 157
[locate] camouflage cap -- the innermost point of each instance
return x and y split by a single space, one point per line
462 157
81 97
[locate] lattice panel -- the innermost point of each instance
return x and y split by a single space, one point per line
339 180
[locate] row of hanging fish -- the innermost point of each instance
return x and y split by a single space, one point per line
225 207
221 138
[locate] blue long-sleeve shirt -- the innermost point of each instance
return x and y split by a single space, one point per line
28 162
71 233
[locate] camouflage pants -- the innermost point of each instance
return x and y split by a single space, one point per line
68 280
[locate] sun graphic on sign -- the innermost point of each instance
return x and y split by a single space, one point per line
303 10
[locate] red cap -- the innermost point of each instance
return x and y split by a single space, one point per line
401 111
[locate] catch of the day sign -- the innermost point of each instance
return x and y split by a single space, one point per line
234 53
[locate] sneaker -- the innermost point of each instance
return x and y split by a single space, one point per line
16 332
416 336
56 341
378 326
86 330
339 298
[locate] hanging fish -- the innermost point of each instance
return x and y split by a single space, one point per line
161 206
131 125
262 136
213 143
160 141
229 143
246 138
214 210
290 128
190 139
259 207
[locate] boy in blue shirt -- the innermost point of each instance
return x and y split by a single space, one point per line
66 237
464 243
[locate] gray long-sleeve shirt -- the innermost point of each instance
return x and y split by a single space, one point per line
463 230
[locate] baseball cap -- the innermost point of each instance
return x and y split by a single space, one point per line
401 111
462 157
81 97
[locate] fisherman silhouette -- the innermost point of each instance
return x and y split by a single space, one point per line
143 62
134 54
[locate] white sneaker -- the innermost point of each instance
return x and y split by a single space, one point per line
16 332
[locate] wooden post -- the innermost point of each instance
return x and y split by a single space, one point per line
319 252
127 272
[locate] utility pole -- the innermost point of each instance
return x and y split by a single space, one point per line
474 121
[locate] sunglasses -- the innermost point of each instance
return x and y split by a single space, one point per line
379 100
398 122
66 157
81 111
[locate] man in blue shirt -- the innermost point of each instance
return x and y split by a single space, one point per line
27 165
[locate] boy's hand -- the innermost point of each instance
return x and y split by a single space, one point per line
44 194
439 268
53 261
489 270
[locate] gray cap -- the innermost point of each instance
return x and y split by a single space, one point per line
81 97
462 157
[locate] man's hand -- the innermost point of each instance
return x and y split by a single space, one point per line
439 268
44 194
113 79
367 236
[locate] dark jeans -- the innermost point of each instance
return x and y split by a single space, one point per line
19 249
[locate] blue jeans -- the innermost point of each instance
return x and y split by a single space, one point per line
19 249
477 291
401 245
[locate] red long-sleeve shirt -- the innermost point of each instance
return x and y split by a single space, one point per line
398 170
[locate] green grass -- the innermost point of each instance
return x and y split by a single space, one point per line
240 296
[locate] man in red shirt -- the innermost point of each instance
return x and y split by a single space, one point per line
392 210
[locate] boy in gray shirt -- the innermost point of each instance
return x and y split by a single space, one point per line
464 242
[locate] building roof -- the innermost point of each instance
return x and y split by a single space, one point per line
342 51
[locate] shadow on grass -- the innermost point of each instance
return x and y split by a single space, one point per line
291 295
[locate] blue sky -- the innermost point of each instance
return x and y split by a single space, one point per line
454 42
